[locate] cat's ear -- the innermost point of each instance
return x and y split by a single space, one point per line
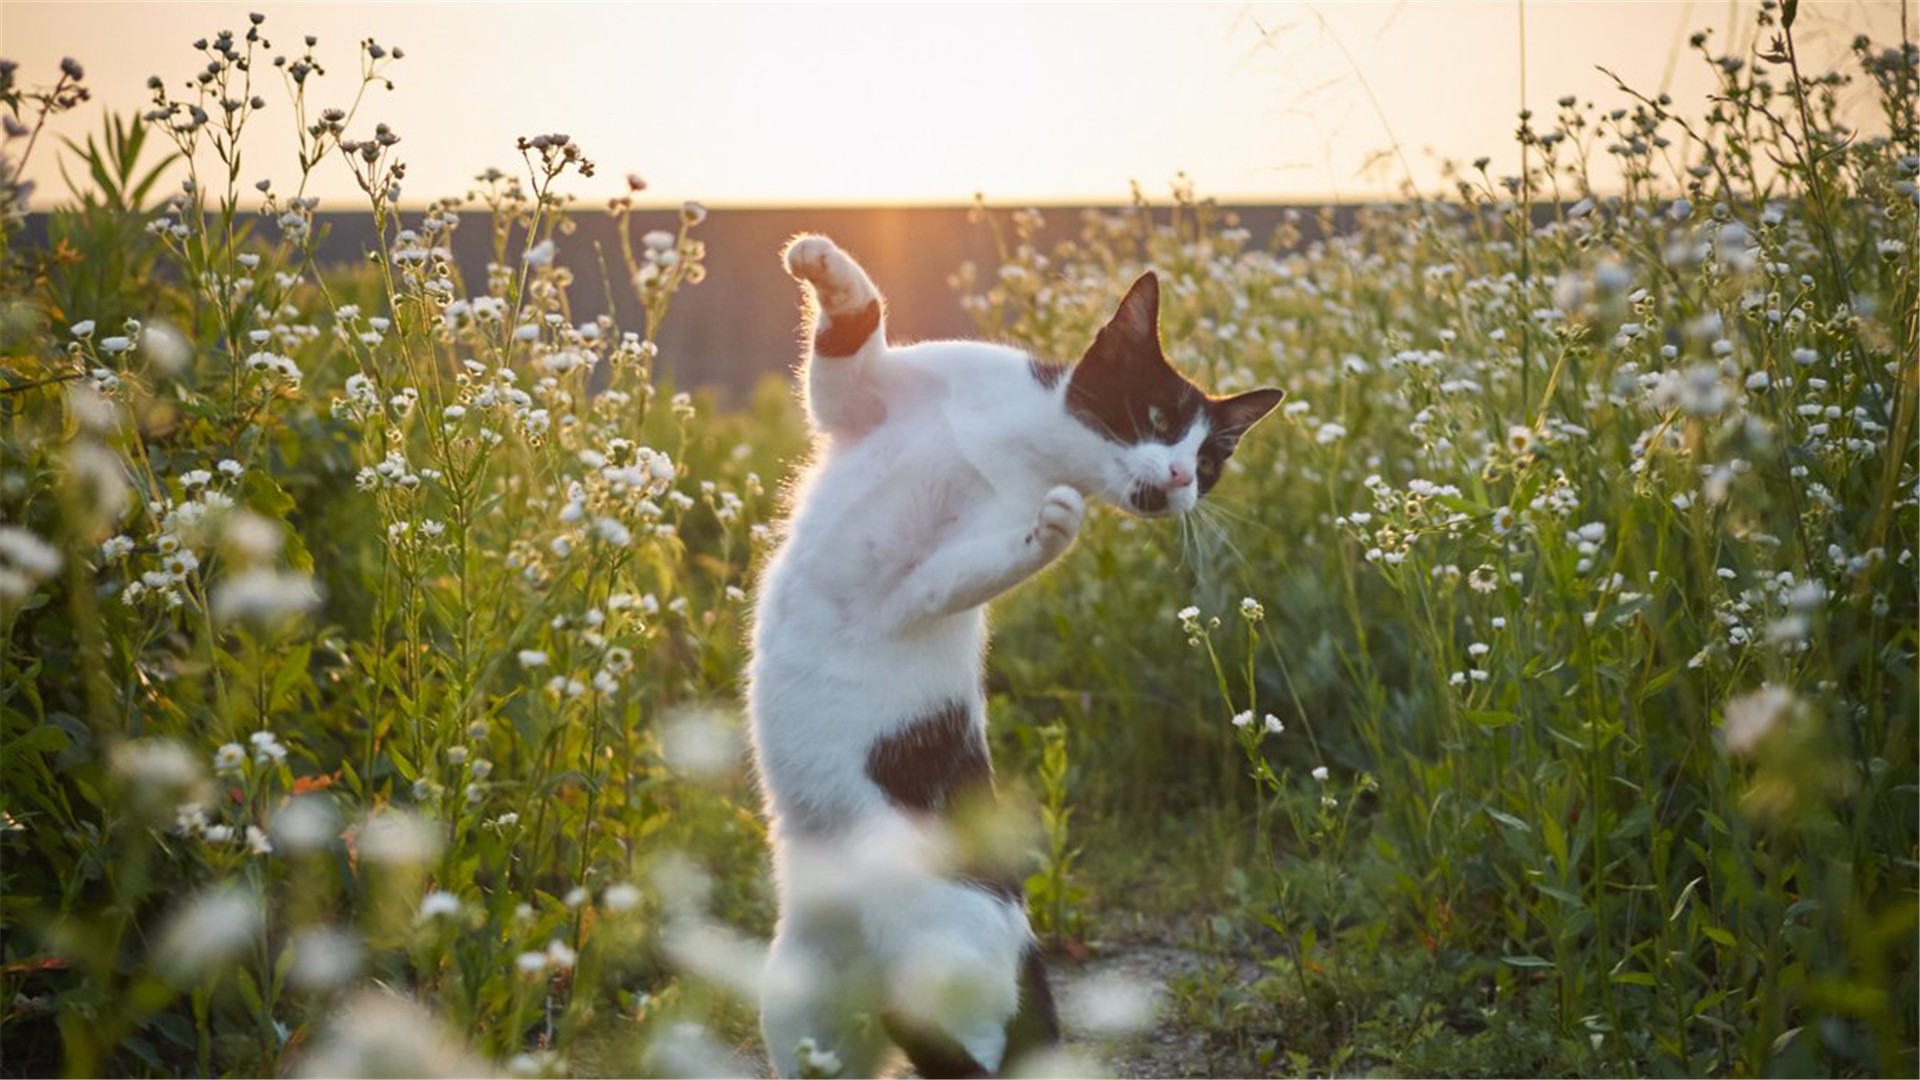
1233 416
1138 316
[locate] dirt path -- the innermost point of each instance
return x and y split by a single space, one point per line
1113 1007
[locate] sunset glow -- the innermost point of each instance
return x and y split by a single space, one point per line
858 104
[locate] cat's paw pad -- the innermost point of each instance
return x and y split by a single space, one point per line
834 275
1060 515
808 256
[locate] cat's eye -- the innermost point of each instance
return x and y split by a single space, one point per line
1157 418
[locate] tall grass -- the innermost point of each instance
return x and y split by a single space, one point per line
1581 570
1539 688
362 626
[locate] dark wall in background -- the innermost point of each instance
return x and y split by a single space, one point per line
740 324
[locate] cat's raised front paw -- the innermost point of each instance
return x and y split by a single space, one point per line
1060 515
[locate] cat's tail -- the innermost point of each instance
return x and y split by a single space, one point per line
846 314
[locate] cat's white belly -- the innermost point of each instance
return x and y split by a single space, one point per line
816 709
831 672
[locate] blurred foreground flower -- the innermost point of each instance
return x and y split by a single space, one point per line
325 958
264 596
206 932
308 823
398 838
160 775
699 743
1750 718
1109 1004
25 561
383 1034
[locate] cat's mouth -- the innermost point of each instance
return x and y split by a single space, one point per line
1148 501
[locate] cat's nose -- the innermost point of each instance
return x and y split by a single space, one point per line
1179 476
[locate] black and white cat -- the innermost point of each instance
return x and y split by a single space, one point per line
945 473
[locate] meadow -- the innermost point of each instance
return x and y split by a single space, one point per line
1536 695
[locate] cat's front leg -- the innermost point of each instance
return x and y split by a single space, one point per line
976 563
1058 523
846 338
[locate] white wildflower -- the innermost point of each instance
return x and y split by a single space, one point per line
1750 718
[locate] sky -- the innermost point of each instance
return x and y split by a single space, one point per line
754 104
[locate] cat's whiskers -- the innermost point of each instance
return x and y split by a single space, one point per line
1220 509
1208 517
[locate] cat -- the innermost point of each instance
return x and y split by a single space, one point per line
945 473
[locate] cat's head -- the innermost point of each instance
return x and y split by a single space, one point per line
1168 440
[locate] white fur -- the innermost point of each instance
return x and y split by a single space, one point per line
944 475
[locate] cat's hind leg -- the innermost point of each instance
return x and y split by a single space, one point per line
846 335
818 993
963 1045
1036 1026
952 953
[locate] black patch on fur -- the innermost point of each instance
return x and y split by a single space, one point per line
1037 1024
843 334
939 765
1149 499
1123 387
934 762
1230 419
934 1053
1005 887
1046 374
1132 395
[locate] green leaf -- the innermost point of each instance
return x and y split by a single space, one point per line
1658 682
1508 820
1556 840
1527 961
1491 718
250 990
1634 978
175 1028
1719 935
264 495
1569 899
45 739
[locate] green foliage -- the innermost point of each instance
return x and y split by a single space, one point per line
1053 898
366 629
369 639
102 257
1581 594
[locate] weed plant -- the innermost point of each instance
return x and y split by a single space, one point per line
1569 715
364 627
